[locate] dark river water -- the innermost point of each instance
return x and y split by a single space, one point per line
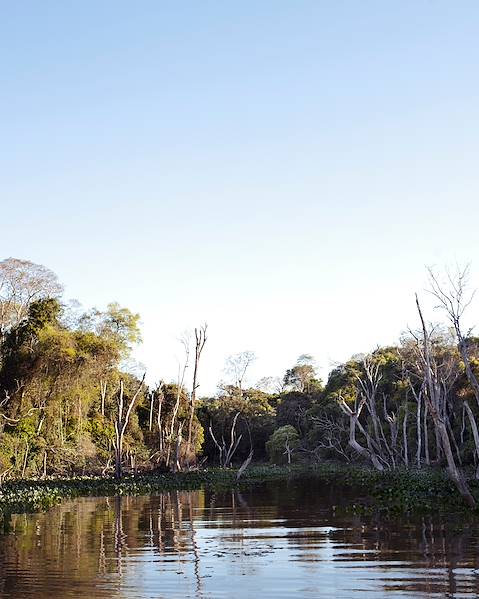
290 539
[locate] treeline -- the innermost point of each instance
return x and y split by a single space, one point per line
69 405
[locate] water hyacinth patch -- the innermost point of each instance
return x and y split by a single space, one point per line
397 491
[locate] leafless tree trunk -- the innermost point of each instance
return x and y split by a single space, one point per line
475 432
455 302
431 396
200 340
288 450
418 398
161 397
21 283
181 379
367 453
226 453
121 423
103 389
237 366
179 438
368 390
152 404
244 465
426 436
25 458
404 432
332 431
369 385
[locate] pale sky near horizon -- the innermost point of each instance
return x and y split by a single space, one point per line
281 170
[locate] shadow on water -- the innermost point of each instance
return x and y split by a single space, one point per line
288 539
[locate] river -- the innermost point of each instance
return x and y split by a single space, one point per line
288 539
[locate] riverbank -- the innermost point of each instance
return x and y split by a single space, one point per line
397 491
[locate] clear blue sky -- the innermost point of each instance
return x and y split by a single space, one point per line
283 170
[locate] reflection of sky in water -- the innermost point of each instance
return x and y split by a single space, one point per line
275 541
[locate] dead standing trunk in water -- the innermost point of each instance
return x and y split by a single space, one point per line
454 301
121 423
200 340
179 388
161 397
432 391
152 404
405 439
244 465
418 398
475 433
179 438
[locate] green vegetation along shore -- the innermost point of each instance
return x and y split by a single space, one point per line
399 491
76 416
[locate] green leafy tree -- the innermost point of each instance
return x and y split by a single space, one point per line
282 444
302 376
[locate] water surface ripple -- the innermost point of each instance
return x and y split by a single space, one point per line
283 540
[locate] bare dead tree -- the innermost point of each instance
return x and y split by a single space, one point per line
151 396
270 384
369 384
200 340
237 367
418 395
367 452
433 398
103 390
161 396
331 431
381 452
21 283
288 450
475 432
179 438
185 341
454 301
121 423
226 452
244 465
454 298
404 433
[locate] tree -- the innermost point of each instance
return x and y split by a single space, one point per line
21 283
454 299
117 324
237 366
200 340
270 384
185 341
302 376
226 450
434 396
121 423
283 442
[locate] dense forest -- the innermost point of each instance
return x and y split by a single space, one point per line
70 405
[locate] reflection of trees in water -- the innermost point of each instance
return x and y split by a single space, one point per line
87 540
421 555
431 548
88 544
